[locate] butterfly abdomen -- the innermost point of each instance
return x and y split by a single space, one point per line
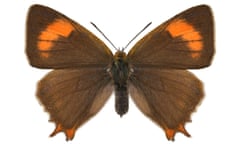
120 75
121 99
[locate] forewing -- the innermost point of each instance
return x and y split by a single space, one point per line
55 41
168 97
185 41
73 96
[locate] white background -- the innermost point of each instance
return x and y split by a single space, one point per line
24 121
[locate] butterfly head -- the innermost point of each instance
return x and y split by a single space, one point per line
120 54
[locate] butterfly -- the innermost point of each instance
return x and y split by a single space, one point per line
154 72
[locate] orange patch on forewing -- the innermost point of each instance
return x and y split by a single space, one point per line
44 54
46 35
52 32
192 36
45 39
60 27
195 45
180 28
195 55
44 45
183 29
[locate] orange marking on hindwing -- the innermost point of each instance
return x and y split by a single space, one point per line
68 132
52 32
182 129
180 28
58 129
170 133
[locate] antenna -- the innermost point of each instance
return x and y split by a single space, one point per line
104 36
128 42
137 35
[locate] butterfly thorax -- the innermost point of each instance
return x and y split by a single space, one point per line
120 74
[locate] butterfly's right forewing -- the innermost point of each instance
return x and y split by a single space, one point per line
185 41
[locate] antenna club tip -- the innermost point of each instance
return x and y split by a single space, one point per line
93 24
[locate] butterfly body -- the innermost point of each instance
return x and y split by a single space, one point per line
154 72
120 73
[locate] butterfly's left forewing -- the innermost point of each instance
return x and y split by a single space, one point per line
55 41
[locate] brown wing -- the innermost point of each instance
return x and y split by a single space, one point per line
168 97
183 42
55 41
73 96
